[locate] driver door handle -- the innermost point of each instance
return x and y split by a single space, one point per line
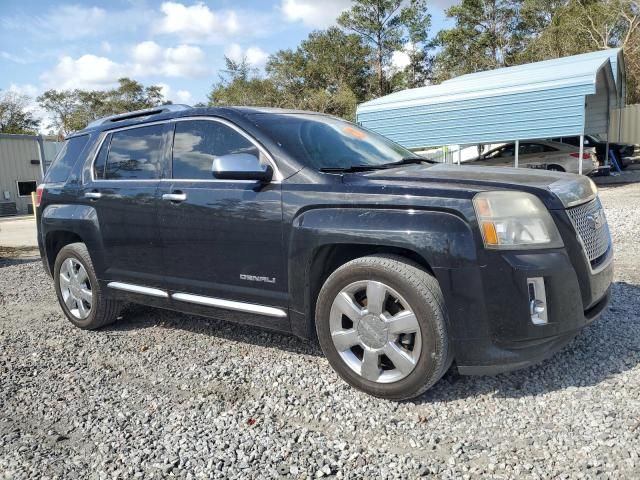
175 197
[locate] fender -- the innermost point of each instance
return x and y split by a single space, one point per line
444 240
81 220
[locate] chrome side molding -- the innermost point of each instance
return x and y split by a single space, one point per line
230 305
201 300
129 287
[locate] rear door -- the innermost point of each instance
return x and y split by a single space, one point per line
222 238
124 192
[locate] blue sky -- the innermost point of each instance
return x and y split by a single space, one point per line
178 44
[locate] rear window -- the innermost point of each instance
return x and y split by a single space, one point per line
61 167
135 154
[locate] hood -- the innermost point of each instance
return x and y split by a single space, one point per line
550 186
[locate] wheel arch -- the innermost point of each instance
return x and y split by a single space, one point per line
61 225
325 239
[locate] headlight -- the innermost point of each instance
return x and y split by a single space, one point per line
515 220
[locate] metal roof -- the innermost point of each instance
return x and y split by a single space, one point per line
552 98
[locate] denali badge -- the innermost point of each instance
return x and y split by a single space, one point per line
253 278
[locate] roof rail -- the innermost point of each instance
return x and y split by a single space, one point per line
139 113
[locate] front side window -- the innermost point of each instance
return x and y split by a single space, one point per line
324 142
197 143
135 153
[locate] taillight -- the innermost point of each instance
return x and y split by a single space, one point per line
585 156
39 192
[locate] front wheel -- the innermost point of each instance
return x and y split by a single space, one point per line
78 290
381 323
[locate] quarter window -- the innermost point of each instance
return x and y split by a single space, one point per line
66 159
198 142
135 154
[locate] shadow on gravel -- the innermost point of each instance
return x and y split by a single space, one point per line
8 262
609 346
137 317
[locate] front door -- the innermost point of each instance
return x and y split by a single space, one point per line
222 238
124 193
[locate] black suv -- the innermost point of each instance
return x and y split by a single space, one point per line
308 224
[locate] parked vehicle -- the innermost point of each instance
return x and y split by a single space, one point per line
622 151
308 224
540 154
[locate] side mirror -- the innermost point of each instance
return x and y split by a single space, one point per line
241 166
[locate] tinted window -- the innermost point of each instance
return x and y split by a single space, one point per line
135 154
506 151
531 148
325 142
198 142
66 159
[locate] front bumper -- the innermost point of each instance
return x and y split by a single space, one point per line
491 326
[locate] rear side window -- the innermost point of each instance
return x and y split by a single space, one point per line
135 154
61 167
198 142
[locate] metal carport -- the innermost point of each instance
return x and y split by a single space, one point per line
554 98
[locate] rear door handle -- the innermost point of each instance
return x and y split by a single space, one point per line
174 197
93 195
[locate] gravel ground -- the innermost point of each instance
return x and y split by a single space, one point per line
167 395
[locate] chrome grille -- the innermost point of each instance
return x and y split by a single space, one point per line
591 224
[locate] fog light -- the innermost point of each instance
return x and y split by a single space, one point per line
537 300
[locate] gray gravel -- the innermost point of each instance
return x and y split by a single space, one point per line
166 395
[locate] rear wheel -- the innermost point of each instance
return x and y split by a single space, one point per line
556 168
381 323
78 290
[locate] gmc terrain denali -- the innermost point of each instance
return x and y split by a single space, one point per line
308 224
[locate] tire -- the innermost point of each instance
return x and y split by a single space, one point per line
555 168
407 289
85 310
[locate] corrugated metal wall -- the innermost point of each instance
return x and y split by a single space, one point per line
630 132
597 107
16 154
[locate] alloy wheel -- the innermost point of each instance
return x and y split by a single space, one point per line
75 288
375 331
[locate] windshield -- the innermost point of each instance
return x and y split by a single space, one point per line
323 142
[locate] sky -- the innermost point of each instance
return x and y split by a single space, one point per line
177 44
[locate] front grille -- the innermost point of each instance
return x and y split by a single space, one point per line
591 224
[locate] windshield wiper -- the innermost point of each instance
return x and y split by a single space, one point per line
382 166
407 161
352 168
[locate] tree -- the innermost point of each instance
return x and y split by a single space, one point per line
15 116
72 110
557 28
328 72
486 35
327 59
386 25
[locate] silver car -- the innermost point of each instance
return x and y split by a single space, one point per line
540 154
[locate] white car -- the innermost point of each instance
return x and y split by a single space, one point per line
541 154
